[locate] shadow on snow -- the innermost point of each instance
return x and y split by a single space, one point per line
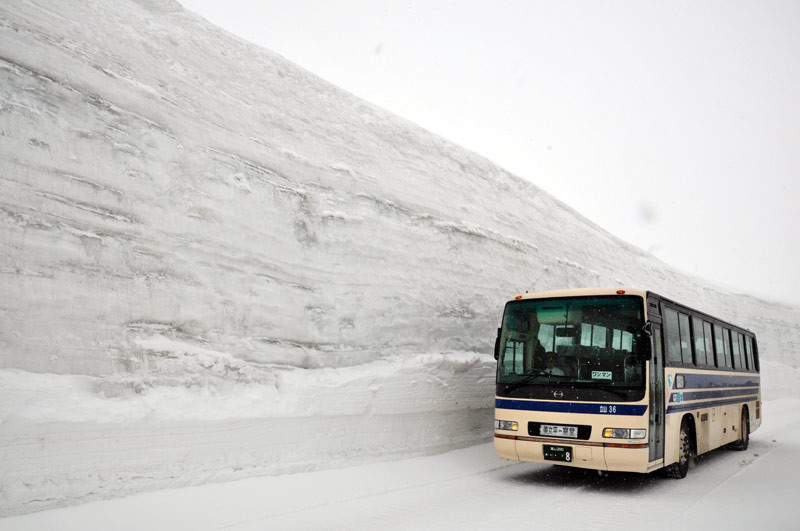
615 482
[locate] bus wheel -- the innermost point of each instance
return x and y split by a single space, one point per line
678 470
744 435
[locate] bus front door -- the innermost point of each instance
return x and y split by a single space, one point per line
656 442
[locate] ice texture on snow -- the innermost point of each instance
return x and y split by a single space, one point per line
195 230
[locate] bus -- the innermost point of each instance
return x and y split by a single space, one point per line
621 380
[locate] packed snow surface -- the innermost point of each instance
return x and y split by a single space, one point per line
472 489
215 265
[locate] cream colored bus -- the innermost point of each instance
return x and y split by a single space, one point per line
621 380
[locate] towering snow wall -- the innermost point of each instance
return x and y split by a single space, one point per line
166 185
180 209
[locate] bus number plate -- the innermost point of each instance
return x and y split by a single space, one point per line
558 453
559 431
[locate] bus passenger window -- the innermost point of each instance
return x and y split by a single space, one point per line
726 337
748 353
699 341
709 343
756 364
547 337
686 339
719 346
598 336
742 355
737 355
616 339
627 341
673 336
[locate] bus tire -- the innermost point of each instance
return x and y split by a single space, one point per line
679 470
744 433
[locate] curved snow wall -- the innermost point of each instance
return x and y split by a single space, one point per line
167 187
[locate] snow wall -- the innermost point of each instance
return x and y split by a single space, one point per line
196 232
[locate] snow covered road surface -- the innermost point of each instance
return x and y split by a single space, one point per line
472 489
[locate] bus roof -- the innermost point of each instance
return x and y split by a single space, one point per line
581 292
588 292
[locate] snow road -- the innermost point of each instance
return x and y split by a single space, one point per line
472 489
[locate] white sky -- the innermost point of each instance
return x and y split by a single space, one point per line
674 125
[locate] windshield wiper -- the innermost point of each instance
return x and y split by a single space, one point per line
525 381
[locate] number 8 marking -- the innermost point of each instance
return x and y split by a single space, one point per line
568 457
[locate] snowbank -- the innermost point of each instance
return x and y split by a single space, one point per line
65 439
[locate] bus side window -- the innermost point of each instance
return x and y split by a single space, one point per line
748 353
756 364
709 344
719 346
686 339
737 354
726 337
673 336
699 341
742 355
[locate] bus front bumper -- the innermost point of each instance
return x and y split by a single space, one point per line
582 454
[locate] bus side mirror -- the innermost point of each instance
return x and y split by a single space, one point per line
497 344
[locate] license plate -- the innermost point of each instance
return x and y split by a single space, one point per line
558 453
558 431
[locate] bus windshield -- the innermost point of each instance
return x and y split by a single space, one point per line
578 342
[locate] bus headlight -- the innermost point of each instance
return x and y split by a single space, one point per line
624 433
510 425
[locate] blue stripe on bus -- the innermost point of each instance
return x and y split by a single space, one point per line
571 407
685 396
693 406
704 381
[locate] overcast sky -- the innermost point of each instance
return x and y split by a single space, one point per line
674 125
